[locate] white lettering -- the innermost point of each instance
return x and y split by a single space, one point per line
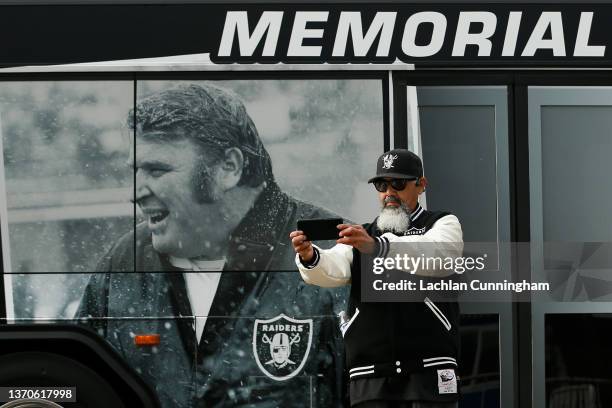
512 32
556 43
463 36
409 46
238 22
582 48
382 23
416 264
377 268
300 32
282 327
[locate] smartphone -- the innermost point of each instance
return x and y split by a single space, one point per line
320 229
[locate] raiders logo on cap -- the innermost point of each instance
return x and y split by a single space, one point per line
398 164
281 346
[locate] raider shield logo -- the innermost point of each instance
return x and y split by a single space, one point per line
388 161
281 346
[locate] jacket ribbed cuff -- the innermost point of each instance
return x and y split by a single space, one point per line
315 259
382 247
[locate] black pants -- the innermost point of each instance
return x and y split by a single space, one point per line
405 404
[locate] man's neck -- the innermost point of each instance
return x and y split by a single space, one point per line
236 203
233 207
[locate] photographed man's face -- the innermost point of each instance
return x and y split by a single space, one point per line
166 175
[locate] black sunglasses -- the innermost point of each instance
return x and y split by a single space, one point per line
396 184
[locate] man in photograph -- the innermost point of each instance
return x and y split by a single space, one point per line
399 355
213 245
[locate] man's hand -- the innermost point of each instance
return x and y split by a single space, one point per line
302 246
357 237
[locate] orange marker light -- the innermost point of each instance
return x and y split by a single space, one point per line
146 339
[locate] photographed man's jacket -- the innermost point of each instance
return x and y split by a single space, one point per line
232 365
396 351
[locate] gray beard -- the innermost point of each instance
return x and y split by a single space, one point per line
394 219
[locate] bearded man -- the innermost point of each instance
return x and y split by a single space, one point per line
399 355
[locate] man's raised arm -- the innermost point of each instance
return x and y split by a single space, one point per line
443 240
327 268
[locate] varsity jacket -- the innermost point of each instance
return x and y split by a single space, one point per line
397 340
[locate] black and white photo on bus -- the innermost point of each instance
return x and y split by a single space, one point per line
293 149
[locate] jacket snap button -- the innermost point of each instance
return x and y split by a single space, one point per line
397 363
399 370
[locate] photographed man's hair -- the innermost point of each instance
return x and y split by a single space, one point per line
214 118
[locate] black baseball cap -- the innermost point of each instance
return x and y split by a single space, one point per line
398 164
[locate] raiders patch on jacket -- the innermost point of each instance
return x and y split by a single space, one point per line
281 346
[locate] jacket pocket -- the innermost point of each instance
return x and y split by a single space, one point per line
345 326
438 313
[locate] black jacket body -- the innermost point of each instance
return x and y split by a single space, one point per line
399 340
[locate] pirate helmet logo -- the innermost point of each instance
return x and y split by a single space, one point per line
281 346
446 375
388 161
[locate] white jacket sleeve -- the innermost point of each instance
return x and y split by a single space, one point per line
443 240
330 267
